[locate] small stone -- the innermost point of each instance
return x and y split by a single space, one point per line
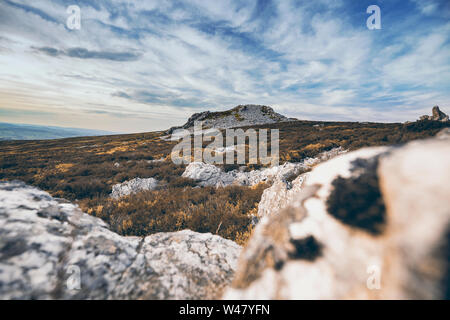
133 186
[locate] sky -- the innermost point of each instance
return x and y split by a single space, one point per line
137 66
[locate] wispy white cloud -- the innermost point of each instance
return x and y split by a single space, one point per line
146 65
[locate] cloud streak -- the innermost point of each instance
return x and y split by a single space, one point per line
150 59
82 53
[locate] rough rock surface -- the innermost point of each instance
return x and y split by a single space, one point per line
436 115
370 224
279 195
135 185
283 192
210 175
45 243
240 116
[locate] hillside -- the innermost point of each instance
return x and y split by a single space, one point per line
331 232
85 170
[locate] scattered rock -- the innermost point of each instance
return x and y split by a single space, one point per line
279 195
51 250
135 185
370 224
207 174
436 115
210 175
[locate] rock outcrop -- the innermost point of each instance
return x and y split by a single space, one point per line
49 249
279 195
210 175
436 115
133 186
240 116
282 192
370 224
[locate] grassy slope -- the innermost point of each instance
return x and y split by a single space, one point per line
82 169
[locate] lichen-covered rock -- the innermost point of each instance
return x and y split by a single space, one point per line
282 192
370 224
436 115
279 195
207 174
133 186
210 175
49 249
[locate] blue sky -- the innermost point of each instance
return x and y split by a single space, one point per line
147 65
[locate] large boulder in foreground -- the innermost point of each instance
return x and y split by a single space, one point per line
370 224
49 249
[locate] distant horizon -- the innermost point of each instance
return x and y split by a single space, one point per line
125 66
25 131
52 126
106 132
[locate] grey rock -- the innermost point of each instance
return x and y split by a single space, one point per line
207 174
133 186
436 115
282 192
210 175
49 249
279 195
240 116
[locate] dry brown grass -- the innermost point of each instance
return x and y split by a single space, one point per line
224 211
82 169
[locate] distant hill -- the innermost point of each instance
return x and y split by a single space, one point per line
12 131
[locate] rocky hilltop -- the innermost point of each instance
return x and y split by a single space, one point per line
240 116
436 115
